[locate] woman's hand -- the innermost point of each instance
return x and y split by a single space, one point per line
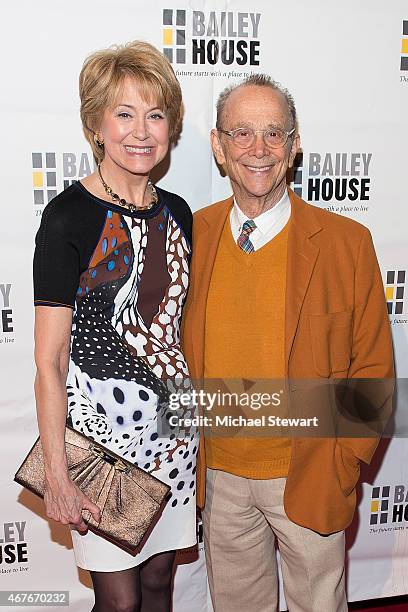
64 502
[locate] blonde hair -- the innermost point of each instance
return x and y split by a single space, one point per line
102 77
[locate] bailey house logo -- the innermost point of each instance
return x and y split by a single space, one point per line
13 547
7 325
389 508
44 177
211 38
380 501
53 172
174 35
336 181
404 47
394 291
298 175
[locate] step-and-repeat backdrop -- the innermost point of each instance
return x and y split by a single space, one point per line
346 64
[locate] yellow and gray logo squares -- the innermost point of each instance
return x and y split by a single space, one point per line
298 174
44 177
380 500
174 35
404 46
394 291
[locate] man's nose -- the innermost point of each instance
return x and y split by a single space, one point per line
259 147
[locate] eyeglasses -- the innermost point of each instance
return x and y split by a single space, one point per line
245 137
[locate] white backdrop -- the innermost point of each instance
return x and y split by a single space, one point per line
346 64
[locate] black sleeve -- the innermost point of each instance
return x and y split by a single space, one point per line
180 211
68 234
56 261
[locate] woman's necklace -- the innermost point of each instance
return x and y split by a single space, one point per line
123 202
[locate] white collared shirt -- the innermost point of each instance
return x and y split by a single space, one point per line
268 224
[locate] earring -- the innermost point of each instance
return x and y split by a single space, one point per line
99 143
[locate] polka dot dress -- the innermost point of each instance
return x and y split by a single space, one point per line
128 305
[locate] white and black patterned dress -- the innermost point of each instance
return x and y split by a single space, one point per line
126 276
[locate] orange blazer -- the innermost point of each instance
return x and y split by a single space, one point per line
336 326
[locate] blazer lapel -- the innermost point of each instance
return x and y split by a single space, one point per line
301 260
209 226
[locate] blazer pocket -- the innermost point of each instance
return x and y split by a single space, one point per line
348 468
331 341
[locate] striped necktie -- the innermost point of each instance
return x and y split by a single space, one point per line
243 241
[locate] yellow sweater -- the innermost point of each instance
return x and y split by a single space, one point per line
244 339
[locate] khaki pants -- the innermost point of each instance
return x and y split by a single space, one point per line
242 519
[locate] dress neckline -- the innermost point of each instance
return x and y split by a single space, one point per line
142 214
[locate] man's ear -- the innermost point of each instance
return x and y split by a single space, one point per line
294 149
217 147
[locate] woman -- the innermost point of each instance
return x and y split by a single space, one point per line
110 276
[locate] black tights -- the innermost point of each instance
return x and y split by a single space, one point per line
145 588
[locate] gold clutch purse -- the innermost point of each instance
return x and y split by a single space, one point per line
130 499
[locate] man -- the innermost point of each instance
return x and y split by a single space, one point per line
279 289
